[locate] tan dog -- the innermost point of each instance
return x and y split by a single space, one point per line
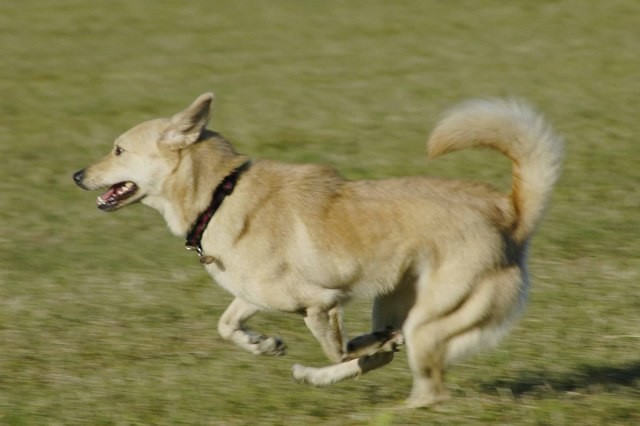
445 261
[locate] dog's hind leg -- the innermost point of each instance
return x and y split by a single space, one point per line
231 327
335 373
436 334
369 351
365 353
387 316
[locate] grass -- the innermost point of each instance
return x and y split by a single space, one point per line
104 319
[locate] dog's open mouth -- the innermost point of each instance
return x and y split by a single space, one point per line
116 195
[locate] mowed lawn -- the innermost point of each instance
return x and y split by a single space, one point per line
106 320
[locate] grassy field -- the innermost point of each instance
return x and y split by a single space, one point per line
106 320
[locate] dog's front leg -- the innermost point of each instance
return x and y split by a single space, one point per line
327 327
231 327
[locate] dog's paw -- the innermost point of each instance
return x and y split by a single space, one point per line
310 376
395 342
298 373
427 401
388 340
272 346
324 376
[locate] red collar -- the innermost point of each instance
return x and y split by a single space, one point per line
224 189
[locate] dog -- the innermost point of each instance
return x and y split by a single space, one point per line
443 260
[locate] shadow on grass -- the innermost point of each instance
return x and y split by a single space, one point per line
584 378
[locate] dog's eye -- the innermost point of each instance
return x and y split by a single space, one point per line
118 150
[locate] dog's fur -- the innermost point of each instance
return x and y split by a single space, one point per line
445 261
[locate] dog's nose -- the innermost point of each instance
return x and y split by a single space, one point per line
78 177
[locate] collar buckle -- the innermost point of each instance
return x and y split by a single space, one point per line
197 249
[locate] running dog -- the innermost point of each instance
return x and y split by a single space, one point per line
443 260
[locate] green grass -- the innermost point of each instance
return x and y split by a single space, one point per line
106 320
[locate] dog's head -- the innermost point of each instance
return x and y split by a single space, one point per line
143 157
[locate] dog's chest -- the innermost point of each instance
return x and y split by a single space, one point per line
264 287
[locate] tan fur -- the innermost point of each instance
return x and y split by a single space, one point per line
443 260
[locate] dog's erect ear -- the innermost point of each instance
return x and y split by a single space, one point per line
187 126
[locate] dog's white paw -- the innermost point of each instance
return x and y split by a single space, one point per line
426 401
273 346
298 373
324 376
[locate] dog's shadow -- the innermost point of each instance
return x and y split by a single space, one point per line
582 379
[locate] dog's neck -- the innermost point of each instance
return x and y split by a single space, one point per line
170 214
188 193
175 220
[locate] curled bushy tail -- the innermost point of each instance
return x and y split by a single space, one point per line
518 132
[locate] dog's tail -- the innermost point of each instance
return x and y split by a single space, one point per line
518 132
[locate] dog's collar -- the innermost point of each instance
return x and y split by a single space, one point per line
225 188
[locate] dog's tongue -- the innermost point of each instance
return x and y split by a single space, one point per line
109 193
116 195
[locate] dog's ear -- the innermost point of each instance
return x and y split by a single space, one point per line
186 126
